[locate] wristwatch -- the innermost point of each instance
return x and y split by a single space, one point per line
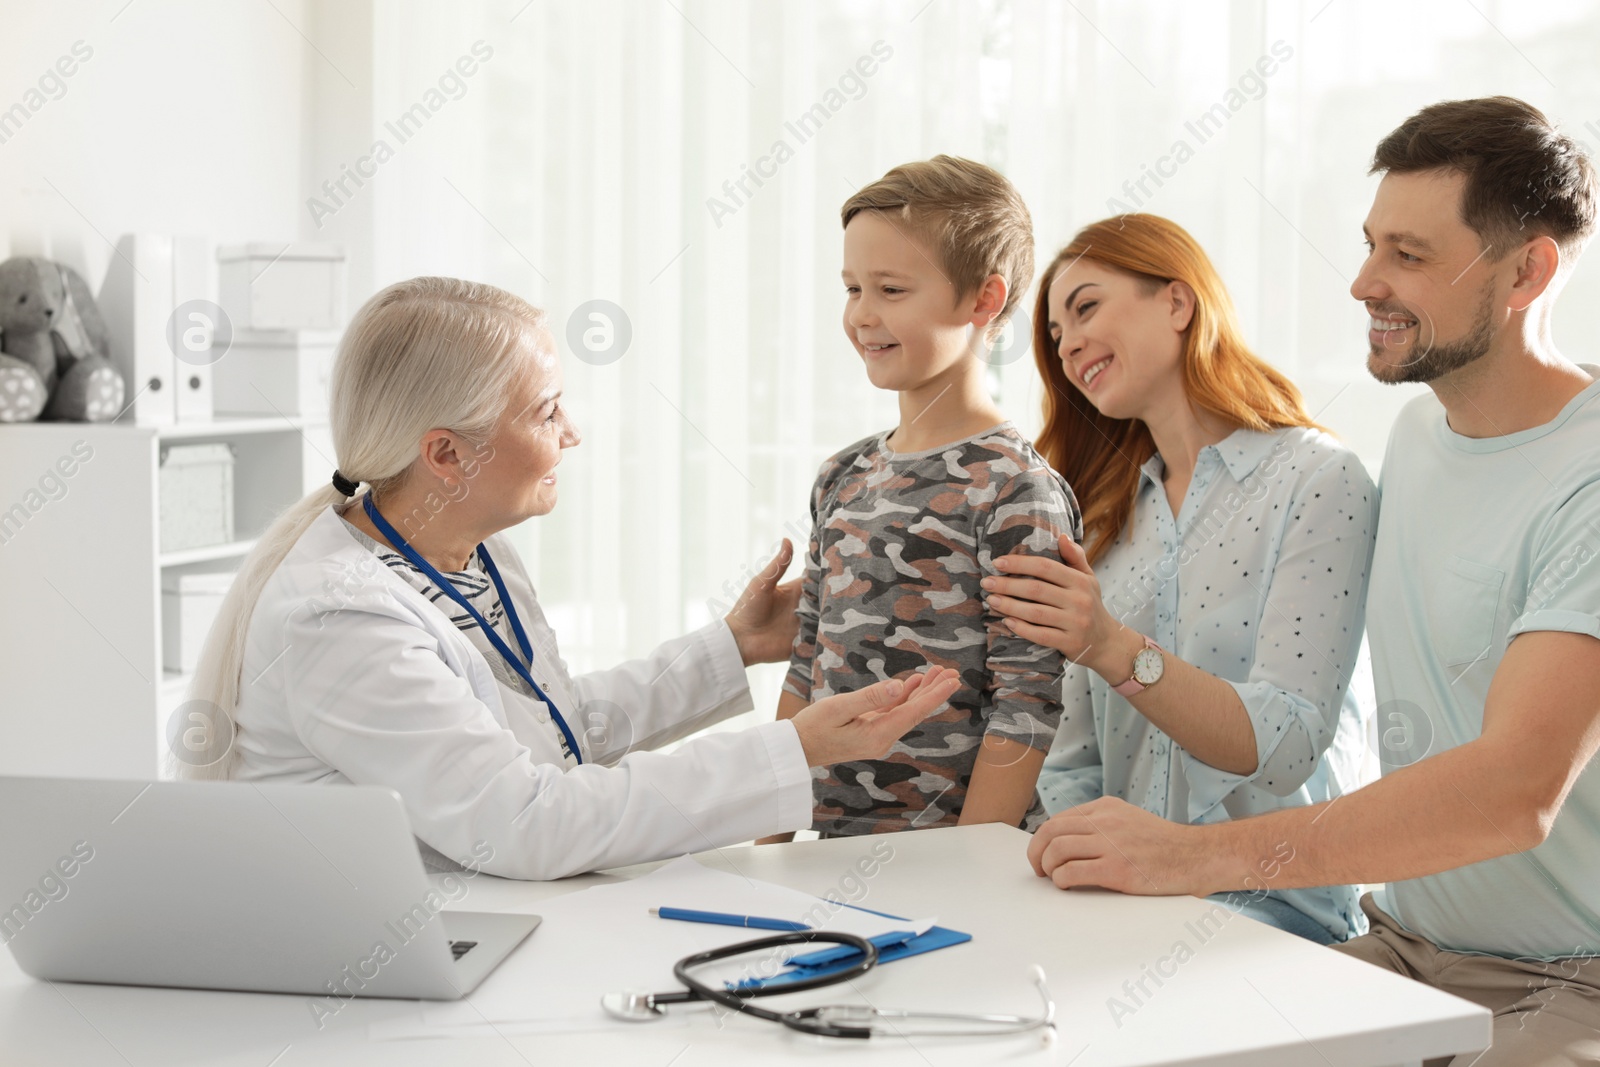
1148 665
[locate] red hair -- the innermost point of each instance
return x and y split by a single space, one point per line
1100 456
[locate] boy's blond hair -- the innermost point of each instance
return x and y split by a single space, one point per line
971 216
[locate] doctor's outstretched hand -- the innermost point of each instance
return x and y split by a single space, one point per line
865 723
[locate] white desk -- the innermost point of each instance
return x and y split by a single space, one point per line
1248 995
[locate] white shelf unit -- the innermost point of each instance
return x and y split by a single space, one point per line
231 550
80 565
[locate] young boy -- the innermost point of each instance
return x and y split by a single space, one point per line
906 523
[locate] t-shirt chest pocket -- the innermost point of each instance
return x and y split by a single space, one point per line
1462 607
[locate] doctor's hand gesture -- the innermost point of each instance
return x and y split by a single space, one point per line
865 723
763 619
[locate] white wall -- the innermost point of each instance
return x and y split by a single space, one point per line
187 117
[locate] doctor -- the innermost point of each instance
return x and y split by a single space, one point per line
395 639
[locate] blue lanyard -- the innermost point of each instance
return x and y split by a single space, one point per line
448 589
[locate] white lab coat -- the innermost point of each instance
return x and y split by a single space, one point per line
351 675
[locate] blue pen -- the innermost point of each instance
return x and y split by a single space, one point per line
752 922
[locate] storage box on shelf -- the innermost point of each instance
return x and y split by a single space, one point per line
276 372
196 495
295 286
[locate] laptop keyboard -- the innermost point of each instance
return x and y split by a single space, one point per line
461 948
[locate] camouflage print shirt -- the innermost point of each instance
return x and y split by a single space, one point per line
899 543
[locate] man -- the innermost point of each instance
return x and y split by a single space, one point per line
1483 611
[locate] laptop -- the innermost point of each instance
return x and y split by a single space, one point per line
275 888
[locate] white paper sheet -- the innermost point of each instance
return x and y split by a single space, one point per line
683 883
605 940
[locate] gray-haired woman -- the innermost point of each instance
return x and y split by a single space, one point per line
395 638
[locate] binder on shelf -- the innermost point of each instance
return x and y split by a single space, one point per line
191 372
136 300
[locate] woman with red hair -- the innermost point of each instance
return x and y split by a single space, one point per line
1213 617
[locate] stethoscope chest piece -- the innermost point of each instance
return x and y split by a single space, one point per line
631 1007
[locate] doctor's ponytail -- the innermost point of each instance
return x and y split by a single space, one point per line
421 354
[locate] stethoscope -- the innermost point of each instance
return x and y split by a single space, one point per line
403 546
832 1020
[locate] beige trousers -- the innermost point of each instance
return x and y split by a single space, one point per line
1546 1013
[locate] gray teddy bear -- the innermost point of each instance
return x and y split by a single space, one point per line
54 347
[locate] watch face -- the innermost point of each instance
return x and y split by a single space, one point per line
1147 666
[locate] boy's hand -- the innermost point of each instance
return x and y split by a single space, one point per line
763 619
865 724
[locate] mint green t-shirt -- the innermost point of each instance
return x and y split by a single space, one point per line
1480 540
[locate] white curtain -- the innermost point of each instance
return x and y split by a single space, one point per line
587 158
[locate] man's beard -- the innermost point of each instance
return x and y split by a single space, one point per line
1440 359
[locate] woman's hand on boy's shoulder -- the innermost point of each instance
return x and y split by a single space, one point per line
1052 602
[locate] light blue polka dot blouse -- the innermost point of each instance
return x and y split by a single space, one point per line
1261 580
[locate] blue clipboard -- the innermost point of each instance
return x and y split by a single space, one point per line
814 964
